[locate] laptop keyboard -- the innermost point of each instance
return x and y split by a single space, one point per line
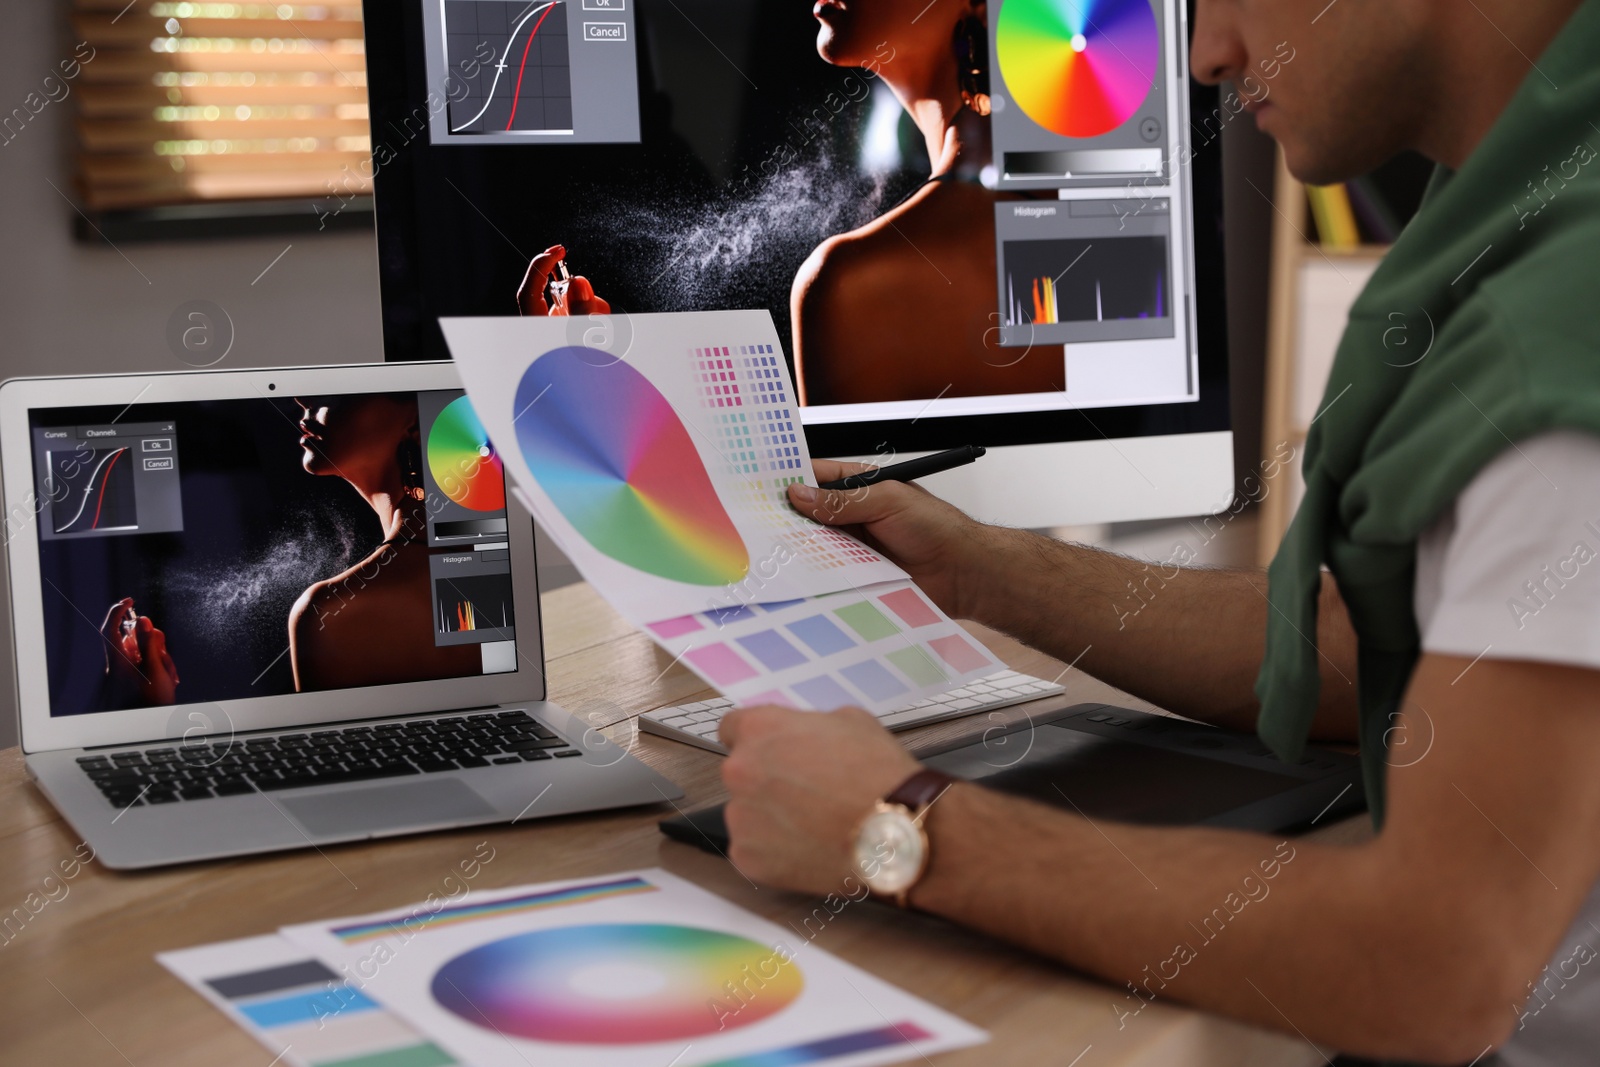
170 774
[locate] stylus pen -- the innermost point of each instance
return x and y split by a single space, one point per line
911 469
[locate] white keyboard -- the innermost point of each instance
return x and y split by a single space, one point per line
696 723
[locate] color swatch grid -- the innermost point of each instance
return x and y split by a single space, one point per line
882 648
299 1008
721 371
763 440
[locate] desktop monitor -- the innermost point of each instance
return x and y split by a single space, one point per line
974 224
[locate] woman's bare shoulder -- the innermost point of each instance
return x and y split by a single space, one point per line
325 600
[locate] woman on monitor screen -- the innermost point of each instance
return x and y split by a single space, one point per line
372 624
903 307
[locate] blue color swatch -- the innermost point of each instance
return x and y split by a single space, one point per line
772 650
873 679
822 635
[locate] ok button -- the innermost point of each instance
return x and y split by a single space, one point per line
605 31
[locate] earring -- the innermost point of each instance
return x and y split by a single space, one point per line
409 455
971 44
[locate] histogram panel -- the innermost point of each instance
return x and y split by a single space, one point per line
474 602
1086 280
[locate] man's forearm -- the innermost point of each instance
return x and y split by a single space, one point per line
1185 638
1258 928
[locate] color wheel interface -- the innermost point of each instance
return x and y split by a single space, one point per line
1081 106
466 489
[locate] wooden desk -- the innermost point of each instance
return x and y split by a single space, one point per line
79 983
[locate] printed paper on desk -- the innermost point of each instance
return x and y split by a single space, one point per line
303 1012
662 473
640 967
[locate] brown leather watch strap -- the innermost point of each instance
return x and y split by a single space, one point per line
921 789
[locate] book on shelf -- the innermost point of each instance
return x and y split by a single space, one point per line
1378 220
1371 209
1335 218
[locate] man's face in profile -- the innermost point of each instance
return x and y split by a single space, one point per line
1341 86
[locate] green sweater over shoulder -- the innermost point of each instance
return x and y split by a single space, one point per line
1480 328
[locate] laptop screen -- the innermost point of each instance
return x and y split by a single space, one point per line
217 550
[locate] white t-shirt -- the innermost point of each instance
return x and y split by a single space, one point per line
1511 570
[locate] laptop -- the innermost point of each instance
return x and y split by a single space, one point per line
270 609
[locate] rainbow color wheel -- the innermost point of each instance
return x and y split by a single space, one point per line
1078 68
463 462
612 455
617 984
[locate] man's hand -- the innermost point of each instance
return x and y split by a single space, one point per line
934 541
799 783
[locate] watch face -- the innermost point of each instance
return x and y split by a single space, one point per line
889 851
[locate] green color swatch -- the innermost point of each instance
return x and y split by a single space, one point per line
426 1055
867 621
918 665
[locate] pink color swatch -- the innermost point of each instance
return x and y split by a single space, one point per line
912 609
958 652
771 696
721 664
676 627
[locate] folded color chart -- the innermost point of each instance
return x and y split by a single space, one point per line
662 473
881 647
633 968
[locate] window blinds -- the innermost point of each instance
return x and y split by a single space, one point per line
190 102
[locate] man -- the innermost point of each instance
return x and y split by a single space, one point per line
1456 502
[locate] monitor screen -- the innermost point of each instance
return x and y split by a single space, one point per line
205 551
973 223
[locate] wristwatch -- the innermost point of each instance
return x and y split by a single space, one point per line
891 846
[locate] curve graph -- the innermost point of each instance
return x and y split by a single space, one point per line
93 490
1079 68
615 459
526 84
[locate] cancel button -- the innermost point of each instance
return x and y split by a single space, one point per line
605 31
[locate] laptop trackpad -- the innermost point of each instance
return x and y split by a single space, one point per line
388 807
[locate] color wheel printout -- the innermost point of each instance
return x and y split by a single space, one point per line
660 474
639 967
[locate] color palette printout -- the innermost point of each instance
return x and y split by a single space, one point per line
662 472
633 968
303 1011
